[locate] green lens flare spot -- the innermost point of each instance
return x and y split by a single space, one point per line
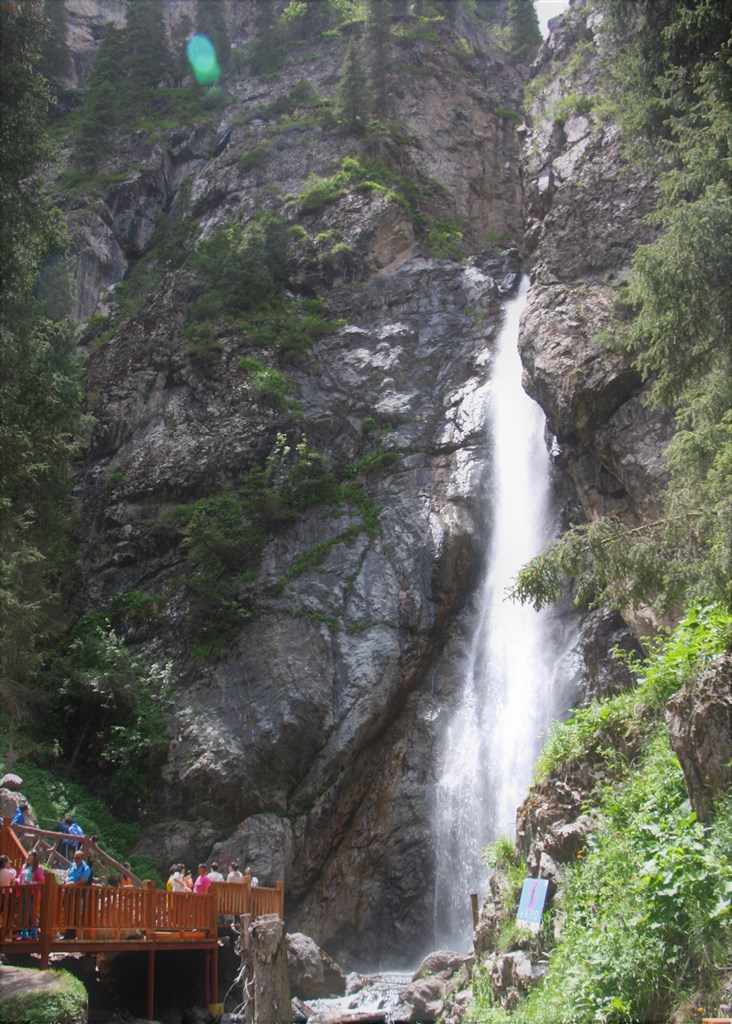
202 57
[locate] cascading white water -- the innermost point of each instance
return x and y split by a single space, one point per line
516 676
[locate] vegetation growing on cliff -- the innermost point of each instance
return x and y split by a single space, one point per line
40 397
669 75
644 916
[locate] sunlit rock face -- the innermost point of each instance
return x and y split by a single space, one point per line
585 212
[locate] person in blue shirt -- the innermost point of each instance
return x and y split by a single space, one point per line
75 829
19 816
79 873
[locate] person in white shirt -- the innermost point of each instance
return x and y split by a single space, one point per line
234 874
8 874
214 874
177 881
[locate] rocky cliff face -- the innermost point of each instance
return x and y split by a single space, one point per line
306 744
585 216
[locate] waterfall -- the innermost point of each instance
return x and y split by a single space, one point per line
516 677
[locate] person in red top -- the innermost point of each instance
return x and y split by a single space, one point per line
203 882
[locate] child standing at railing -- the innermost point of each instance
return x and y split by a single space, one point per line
30 897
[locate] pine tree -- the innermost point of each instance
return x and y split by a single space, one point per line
56 62
266 50
39 394
211 22
378 39
352 105
147 59
102 109
523 28
310 18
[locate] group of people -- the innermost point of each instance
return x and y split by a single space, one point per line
30 899
181 880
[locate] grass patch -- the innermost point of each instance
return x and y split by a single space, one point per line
66 1003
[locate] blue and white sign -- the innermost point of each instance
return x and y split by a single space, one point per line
531 904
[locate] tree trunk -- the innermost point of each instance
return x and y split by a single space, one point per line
266 983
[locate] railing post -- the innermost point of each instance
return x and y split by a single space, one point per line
47 916
149 909
280 887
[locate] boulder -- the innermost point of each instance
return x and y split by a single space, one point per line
10 800
442 962
313 974
422 1000
511 974
699 721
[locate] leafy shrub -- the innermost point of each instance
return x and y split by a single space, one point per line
600 727
256 157
301 95
265 382
649 899
245 265
110 706
445 240
289 328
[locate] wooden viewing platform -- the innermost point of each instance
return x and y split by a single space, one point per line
110 919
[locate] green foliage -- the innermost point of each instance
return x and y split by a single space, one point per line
56 59
125 89
598 730
302 96
524 34
65 1003
223 535
53 797
39 376
570 105
109 708
244 266
645 910
211 21
378 40
256 157
647 903
265 382
168 249
445 240
367 174
669 75
289 328
352 97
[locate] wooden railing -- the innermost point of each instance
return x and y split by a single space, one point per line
103 912
236 898
11 846
100 913
47 843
